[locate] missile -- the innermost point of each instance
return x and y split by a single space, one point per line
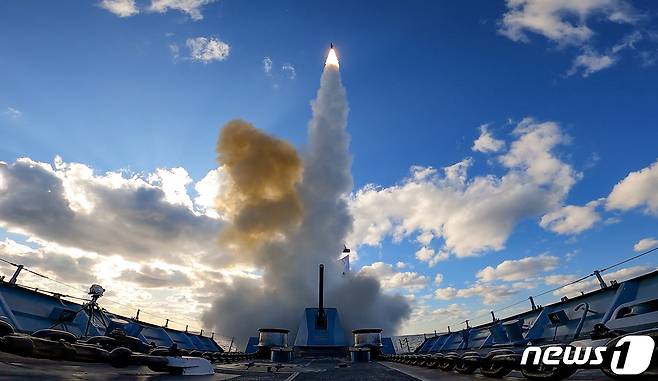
332 60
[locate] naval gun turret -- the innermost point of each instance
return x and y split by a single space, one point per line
320 331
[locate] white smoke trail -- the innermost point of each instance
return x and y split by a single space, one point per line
289 281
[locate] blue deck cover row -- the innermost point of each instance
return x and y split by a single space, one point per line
30 310
631 305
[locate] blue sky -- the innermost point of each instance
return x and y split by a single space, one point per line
127 93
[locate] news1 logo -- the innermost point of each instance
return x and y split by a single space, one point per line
631 355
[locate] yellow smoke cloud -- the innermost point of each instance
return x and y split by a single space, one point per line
262 201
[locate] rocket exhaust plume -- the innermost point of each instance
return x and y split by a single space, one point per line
286 217
332 59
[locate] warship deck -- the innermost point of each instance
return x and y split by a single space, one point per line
14 367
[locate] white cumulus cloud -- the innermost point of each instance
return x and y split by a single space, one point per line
559 279
571 219
207 50
645 244
592 283
109 214
391 279
568 23
207 189
470 214
173 182
431 257
486 142
520 269
563 22
121 8
127 8
190 7
637 189
492 293
427 318
590 62
446 293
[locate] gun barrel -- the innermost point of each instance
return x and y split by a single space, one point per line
321 290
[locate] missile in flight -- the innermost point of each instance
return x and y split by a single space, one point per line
332 59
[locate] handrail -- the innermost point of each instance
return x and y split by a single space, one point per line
23 268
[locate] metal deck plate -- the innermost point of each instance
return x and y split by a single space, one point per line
14 367
427 374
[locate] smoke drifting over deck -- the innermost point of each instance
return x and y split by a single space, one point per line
286 222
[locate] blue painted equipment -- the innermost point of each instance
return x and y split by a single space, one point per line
320 329
29 310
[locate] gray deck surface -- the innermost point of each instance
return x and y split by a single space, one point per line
427 374
315 370
14 367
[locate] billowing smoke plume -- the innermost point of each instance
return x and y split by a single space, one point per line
286 223
262 200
